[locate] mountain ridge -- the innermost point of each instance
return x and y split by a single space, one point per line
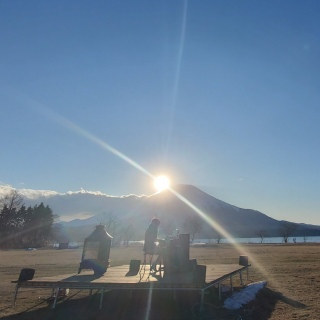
83 210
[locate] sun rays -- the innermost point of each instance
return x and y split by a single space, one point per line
102 144
177 71
161 183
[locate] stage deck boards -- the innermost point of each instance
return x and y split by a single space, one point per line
119 276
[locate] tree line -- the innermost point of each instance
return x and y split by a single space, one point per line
24 227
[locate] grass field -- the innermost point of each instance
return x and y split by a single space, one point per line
292 272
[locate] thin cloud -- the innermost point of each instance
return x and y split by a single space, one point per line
36 194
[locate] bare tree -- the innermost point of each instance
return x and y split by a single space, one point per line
127 233
214 235
262 234
286 230
10 217
10 204
193 225
218 237
110 221
12 200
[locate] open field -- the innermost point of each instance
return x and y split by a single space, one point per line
292 272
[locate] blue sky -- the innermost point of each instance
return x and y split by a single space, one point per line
223 95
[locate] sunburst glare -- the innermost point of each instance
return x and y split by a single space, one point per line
161 183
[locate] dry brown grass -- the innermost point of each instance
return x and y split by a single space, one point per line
292 272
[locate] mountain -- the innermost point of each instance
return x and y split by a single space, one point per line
132 214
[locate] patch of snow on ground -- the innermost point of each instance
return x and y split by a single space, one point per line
240 298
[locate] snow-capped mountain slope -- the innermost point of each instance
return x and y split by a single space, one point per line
174 209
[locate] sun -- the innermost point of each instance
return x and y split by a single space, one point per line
161 183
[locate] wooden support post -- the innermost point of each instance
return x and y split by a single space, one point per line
241 282
15 295
55 298
231 284
202 300
101 298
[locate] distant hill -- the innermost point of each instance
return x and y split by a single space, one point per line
133 214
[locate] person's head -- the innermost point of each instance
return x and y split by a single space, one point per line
155 221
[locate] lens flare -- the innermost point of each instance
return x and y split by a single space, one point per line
73 127
161 183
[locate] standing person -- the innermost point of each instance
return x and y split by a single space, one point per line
149 246
151 236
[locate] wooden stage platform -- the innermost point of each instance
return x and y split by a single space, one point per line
119 278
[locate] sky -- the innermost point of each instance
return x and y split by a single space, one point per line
222 95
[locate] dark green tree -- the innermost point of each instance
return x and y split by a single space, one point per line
38 225
9 217
24 227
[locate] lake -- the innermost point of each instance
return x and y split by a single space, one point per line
313 239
